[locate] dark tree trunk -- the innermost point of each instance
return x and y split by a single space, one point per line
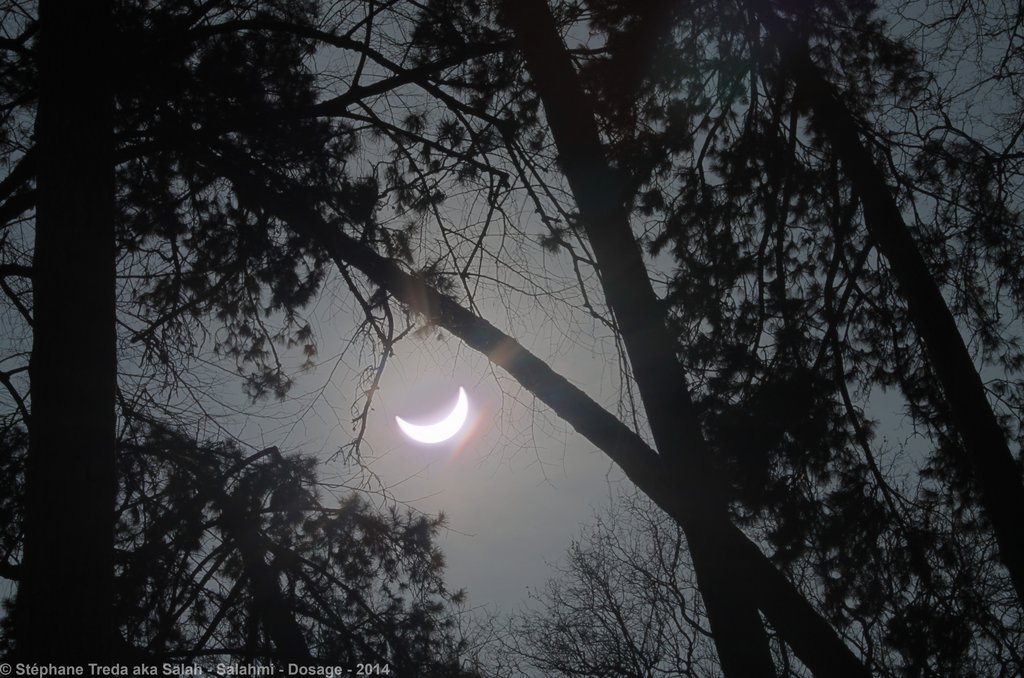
64 609
735 623
984 441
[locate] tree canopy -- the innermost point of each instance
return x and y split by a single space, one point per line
792 222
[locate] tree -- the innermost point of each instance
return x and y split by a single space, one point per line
223 553
65 595
624 603
169 558
602 185
748 145
984 444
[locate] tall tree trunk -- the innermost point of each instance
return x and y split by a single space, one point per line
735 623
798 623
984 441
64 609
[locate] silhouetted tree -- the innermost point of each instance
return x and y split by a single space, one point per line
818 241
767 216
223 553
624 603
65 591
279 576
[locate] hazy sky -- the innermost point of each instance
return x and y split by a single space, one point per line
515 486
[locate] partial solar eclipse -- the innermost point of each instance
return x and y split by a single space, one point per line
442 430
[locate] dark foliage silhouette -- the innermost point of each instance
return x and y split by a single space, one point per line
791 220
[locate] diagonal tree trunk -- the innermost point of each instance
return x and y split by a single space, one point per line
800 625
64 608
984 441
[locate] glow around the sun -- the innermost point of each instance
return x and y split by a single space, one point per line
442 430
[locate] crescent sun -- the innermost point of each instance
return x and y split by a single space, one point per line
440 431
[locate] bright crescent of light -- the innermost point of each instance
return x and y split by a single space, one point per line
442 430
